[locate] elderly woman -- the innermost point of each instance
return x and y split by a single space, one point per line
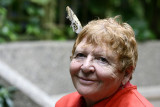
103 59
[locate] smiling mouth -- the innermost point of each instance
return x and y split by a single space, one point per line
86 81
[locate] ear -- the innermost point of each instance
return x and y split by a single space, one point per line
128 75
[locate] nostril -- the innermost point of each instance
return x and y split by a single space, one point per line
87 69
92 68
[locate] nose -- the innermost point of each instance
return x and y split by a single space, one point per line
87 65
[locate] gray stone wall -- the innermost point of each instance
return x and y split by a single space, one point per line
148 65
46 64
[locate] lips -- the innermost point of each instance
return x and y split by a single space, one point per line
86 81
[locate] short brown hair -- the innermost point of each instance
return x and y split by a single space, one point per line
115 34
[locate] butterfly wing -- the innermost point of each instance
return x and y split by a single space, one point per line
75 23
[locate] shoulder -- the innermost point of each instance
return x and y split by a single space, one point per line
69 100
130 97
137 97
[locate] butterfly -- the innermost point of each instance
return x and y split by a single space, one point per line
75 23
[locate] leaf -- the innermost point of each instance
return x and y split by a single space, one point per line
41 2
5 97
8 101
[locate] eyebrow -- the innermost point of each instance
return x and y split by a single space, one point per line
78 51
83 49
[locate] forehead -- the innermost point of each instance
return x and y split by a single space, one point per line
86 41
98 49
83 45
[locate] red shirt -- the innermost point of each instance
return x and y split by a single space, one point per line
124 97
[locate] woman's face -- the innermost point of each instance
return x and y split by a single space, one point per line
94 71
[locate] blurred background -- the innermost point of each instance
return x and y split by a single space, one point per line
36 42
22 20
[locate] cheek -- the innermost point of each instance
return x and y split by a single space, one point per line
110 78
106 73
74 67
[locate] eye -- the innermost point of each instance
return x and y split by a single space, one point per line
103 60
80 55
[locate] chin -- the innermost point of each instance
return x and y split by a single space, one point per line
85 91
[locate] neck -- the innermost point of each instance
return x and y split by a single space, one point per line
89 103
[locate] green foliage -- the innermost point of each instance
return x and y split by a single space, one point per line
5 2
41 2
142 30
7 28
5 96
46 20
132 11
